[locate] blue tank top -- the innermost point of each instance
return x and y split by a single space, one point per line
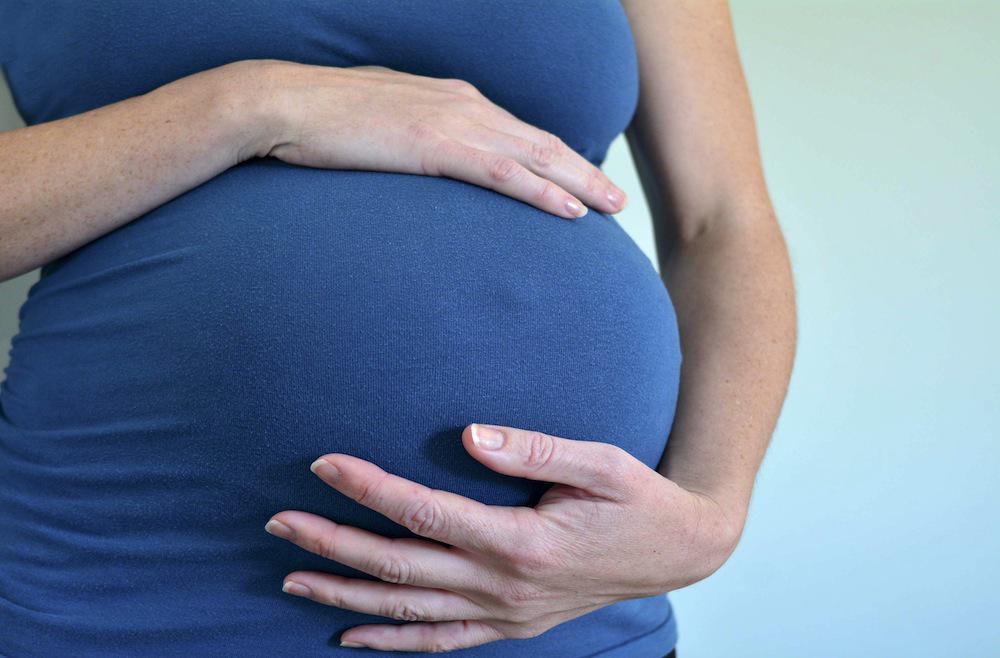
172 380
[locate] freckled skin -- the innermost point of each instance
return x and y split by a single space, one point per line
721 251
143 151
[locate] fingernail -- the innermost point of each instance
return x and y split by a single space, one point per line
616 198
349 643
278 529
323 467
575 208
487 438
298 589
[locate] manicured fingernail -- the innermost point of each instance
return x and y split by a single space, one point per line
576 209
298 589
487 438
278 529
325 468
349 643
614 198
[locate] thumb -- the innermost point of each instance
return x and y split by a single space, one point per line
601 468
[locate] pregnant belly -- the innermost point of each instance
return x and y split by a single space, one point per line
173 380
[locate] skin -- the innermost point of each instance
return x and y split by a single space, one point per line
371 117
721 250
143 151
610 528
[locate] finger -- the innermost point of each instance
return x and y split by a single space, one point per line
422 636
427 512
549 157
503 174
602 469
511 124
401 561
403 602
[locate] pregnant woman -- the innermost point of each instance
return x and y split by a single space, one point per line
328 267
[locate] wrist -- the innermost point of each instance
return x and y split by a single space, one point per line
705 538
712 534
252 104
720 526
724 506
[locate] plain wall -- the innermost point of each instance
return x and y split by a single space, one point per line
874 528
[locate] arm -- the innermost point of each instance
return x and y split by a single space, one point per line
722 254
64 183
610 528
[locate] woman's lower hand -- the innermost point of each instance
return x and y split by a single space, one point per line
376 118
609 529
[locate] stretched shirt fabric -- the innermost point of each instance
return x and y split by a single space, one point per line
172 380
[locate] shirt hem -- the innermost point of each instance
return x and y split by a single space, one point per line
654 643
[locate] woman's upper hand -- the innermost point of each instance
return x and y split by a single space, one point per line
375 118
610 529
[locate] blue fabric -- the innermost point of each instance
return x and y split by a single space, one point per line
172 380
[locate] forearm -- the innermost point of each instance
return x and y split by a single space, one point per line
64 183
733 292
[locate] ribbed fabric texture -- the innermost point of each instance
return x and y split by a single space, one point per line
172 380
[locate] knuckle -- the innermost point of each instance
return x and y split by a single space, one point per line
553 141
326 546
369 491
392 569
541 155
594 182
436 643
461 86
503 169
434 157
334 598
616 465
546 190
541 449
615 460
424 516
404 610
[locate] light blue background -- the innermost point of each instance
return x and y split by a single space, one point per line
874 529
